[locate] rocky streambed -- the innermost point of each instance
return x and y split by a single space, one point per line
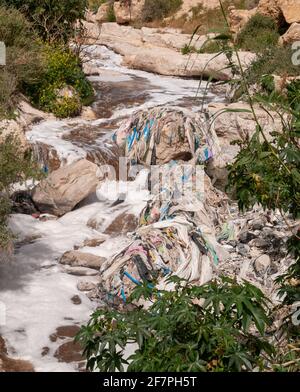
50 287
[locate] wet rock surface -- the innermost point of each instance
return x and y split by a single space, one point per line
8 364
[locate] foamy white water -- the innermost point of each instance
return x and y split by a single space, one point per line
34 287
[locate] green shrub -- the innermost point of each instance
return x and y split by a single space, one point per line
54 20
25 62
259 33
274 61
159 9
111 16
16 165
177 334
63 70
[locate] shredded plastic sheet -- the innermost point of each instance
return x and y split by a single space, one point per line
177 228
166 133
176 236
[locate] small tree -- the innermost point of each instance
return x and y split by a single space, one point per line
54 20
215 327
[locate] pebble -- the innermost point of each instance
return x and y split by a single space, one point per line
262 263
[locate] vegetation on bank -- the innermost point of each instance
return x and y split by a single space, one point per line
40 63
16 166
41 66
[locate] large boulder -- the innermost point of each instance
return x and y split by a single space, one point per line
159 51
292 35
102 14
127 11
66 187
270 8
290 10
281 10
239 18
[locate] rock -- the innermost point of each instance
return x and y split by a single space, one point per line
46 155
85 286
14 129
102 14
290 10
260 243
63 332
128 11
188 6
80 271
64 188
230 126
75 258
246 236
243 249
239 18
292 35
30 115
92 243
9 365
22 203
88 113
258 224
69 352
45 351
262 263
90 16
76 300
159 51
124 223
271 8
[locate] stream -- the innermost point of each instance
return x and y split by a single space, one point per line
43 306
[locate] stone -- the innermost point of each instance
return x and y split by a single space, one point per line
64 188
262 263
242 249
230 126
239 18
80 271
159 51
124 223
69 352
246 236
86 286
94 242
75 258
12 365
22 203
271 8
128 11
76 300
90 16
292 35
260 243
14 129
258 224
102 13
45 351
290 10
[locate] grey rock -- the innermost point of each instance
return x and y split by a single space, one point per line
262 263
